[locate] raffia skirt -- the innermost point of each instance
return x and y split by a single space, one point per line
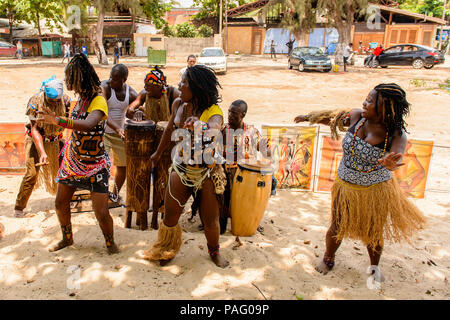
375 213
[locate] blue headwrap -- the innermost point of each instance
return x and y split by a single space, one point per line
53 88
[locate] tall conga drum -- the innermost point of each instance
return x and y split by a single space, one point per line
249 197
160 173
139 146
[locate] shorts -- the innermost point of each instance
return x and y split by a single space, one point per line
114 141
346 60
95 183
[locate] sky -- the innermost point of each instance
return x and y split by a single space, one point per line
185 3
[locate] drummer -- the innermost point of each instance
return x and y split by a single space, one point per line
156 99
118 95
244 146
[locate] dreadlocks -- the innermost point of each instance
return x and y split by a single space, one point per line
81 77
204 86
394 106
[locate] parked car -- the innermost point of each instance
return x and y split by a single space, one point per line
309 58
215 58
7 49
414 55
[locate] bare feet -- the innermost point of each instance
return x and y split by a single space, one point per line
61 245
19 214
113 249
322 268
220 261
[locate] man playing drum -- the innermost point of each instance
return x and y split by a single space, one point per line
118 95
156 98
247 141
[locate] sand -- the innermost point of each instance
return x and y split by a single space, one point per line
280 262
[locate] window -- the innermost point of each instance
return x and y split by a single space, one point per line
412 36
393 50
394 35
409 49
403 35
212 53
426 38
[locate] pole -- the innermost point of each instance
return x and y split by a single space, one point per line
226 26
220 19
443 18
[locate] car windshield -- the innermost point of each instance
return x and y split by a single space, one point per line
311 51
212 53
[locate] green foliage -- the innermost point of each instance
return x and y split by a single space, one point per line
428 7
35 10
8 9
186 30
169 31
205 31
155 10
211 8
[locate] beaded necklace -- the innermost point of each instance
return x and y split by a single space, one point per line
353 149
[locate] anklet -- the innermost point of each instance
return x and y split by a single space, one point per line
328 260
213 251
109 239
67 232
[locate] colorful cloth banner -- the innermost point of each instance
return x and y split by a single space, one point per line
293 150
412 177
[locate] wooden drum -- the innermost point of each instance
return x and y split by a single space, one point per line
139 145
249 197
160 173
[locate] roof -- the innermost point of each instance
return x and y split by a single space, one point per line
29 31
246 8
412 14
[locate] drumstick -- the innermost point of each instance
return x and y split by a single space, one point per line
40 164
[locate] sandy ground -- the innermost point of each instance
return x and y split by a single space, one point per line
279 262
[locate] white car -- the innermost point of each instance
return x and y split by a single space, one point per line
214 58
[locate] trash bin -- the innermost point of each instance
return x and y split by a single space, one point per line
156 57
51 48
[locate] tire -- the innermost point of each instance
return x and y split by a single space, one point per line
301 67
289 64
328 70
418 64
428 66
384 67
374 63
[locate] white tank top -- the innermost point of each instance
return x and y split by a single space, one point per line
117 109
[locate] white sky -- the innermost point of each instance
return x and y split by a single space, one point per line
185 3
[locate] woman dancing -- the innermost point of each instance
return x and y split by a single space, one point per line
197 106
85 163
367 202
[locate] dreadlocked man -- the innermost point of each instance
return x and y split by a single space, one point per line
85 163
157 97
367 202
43 142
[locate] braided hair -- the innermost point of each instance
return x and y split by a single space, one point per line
395 107
204 86
81 77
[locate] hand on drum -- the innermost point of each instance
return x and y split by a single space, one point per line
138 115
121 133
189 123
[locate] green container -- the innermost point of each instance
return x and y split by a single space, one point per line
51 48
156 57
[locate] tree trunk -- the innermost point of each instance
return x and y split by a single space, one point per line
344 30
38 21
300 36
99 49
133 21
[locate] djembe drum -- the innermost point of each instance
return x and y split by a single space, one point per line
160 174
249 197
139 145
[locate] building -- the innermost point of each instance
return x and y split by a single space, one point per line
180 15
250 31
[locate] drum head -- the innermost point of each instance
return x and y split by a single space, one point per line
139 125
162 125
263 167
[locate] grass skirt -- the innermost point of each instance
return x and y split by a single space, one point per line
372 214
167 245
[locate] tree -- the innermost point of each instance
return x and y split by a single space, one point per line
300 16
9 10
186 30
211 8
205 31
35 10
428 7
